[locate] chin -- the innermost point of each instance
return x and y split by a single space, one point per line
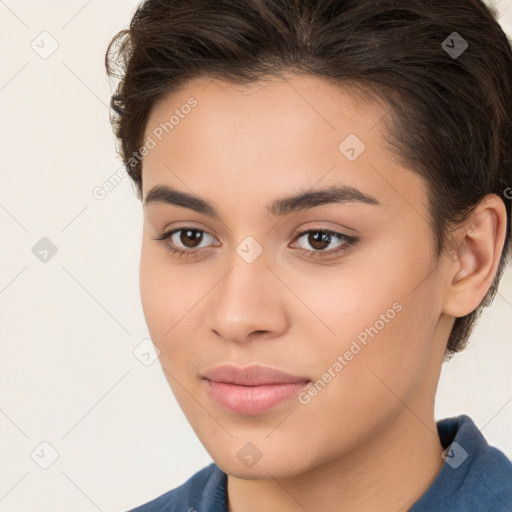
252 461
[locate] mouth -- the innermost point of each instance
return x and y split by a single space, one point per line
251 390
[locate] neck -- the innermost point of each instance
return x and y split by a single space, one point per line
389 473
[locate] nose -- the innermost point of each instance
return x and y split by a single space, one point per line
248 303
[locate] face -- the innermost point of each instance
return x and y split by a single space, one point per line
339 291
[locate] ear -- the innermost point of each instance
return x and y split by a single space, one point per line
474 254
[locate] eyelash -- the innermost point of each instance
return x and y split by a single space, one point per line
350 241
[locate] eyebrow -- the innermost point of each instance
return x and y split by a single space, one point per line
335 194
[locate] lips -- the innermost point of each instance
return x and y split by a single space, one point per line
250 376
251 390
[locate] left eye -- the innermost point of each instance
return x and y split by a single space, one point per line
320 239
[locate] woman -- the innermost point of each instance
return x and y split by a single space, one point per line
327 203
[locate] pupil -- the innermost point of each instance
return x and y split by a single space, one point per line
318 237
189 236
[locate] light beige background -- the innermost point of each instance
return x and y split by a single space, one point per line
68 373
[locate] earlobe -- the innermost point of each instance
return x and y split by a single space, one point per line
475 256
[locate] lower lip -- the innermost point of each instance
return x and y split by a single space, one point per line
252 400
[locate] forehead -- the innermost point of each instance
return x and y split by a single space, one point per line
301 98
271 135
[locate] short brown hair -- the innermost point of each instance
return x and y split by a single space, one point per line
451 114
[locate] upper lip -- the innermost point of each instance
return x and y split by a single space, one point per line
254 375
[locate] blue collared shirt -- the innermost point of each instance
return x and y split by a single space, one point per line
474 478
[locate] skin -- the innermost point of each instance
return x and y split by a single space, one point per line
368 439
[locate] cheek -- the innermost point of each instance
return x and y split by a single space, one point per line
163 298
380 321
152 290
171 302
366 374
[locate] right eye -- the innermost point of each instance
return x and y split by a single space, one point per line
187 236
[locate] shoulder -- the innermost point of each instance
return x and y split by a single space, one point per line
205 488
494 479
475 476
